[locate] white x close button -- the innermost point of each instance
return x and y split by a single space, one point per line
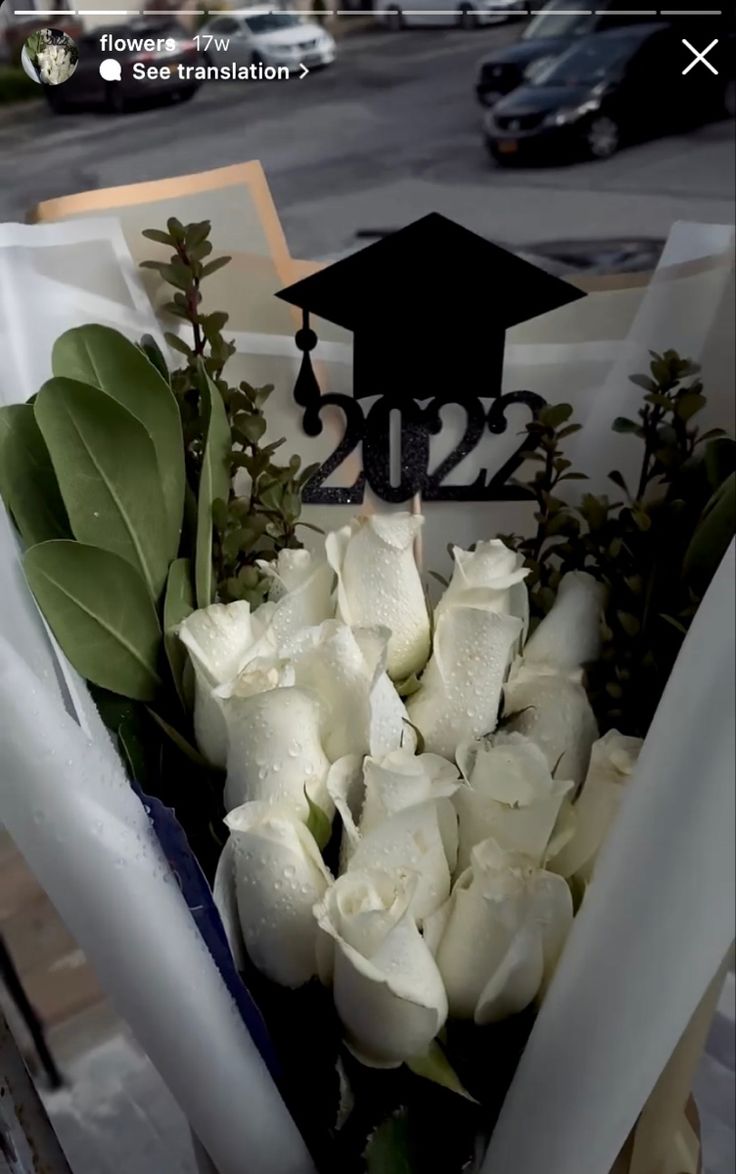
700 58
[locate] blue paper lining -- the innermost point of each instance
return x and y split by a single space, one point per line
198 896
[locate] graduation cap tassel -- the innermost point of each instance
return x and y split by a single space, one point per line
306 389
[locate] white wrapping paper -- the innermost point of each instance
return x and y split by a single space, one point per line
64 796
71 812
653 930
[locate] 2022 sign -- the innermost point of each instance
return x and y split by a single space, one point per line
417 424
429 307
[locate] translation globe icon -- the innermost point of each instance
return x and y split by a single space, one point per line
429 307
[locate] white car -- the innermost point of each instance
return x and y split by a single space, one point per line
261 36
399 14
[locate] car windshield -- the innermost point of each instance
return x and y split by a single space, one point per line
271 22
586 64
558 19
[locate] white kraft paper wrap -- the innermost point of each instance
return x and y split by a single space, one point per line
66 801
653 930
69 807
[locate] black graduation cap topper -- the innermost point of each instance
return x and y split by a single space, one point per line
429 307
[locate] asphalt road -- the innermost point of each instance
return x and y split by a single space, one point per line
390 132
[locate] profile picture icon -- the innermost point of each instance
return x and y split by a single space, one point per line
49 57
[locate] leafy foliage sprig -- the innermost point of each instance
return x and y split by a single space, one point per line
262 510
656 550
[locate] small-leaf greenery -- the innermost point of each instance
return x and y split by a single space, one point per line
655 544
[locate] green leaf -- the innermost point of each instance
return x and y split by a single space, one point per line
106 359
199 251
181 742
317 823
660 401
161 238
28 484
154 354
178 604
251 428
622 424
720 460
436 1067
389 1150
108 475
214 482
101 613
643 381
553 415
195 233
713 534
689 404
629 623
216 321
617 479
178 344
176 228
419 736
176 273
675 623
213 266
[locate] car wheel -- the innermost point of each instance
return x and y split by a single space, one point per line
115 99
185 94
467 17
603 137
395 20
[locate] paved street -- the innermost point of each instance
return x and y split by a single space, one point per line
390 132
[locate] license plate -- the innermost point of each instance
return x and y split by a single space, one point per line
508 146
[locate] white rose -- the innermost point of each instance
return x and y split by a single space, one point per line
274 747
279 877
612 761
387 988
301 589
345 668
220 640
499 571
406 821
461 687
378 583
570 634
403 779
499 937
510 796
552 709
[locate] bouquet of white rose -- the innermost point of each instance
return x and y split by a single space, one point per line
391 839
400 806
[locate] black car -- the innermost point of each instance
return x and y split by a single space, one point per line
606 90
158 43
559 25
